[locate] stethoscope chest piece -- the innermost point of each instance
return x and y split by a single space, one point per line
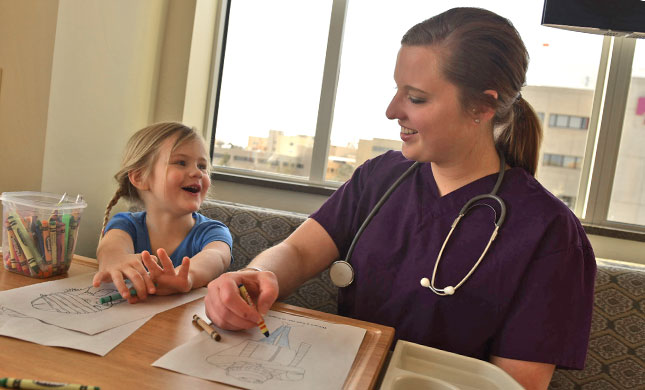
341 273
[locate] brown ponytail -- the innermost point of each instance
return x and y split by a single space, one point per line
520 140
482 51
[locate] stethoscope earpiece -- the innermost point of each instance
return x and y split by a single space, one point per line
448 290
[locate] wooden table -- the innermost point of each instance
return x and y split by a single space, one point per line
129 365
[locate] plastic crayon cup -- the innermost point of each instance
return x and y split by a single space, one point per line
39 232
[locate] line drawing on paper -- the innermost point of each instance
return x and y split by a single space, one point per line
257 361
75 300
11 313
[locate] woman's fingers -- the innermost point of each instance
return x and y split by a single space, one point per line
223 317
267 291
226 307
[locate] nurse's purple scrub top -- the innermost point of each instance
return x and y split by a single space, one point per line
531 297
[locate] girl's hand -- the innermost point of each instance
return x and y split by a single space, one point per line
167 278
117 269
226 307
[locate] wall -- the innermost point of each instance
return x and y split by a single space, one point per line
27 33
103 87
266 197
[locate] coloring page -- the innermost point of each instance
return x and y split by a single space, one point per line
300 353
16 325
73 303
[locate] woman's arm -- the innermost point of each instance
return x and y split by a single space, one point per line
305 253
531 375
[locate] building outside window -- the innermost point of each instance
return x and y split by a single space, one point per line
568 121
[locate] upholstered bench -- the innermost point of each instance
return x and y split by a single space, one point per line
616 357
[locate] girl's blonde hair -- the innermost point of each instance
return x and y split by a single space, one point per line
141 153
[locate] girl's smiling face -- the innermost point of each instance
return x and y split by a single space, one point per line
179 180
434 125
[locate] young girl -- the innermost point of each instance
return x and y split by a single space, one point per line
165 167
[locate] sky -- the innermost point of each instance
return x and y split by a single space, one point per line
275 56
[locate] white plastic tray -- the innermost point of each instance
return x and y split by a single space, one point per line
418 367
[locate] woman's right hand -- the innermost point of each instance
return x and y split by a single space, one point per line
226 307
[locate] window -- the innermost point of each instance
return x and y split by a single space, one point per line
270 89
558 160
627 201
568 121
280 90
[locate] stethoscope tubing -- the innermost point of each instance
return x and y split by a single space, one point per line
342 272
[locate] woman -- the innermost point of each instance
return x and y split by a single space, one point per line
526 306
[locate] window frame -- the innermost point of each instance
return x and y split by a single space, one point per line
604 128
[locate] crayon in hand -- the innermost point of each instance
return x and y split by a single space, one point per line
247 298
116 296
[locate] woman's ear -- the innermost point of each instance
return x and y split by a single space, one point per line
484 113
137 180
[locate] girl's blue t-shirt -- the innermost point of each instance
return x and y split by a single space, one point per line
203 232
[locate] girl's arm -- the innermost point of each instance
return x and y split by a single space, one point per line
210 263
205 266
117 262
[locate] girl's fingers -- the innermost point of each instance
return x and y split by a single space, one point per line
185 266
166 263
138 283
149 285
153 269
100 277
119 283
150 263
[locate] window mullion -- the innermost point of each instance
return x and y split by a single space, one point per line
582 209
328 92
611 126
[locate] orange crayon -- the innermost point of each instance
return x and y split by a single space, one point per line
247 298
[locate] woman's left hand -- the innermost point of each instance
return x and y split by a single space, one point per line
168 279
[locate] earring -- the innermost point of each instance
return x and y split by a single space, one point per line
477 120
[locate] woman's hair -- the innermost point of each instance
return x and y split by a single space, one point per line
141 153
483 51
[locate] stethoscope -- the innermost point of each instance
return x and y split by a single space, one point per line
341 272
